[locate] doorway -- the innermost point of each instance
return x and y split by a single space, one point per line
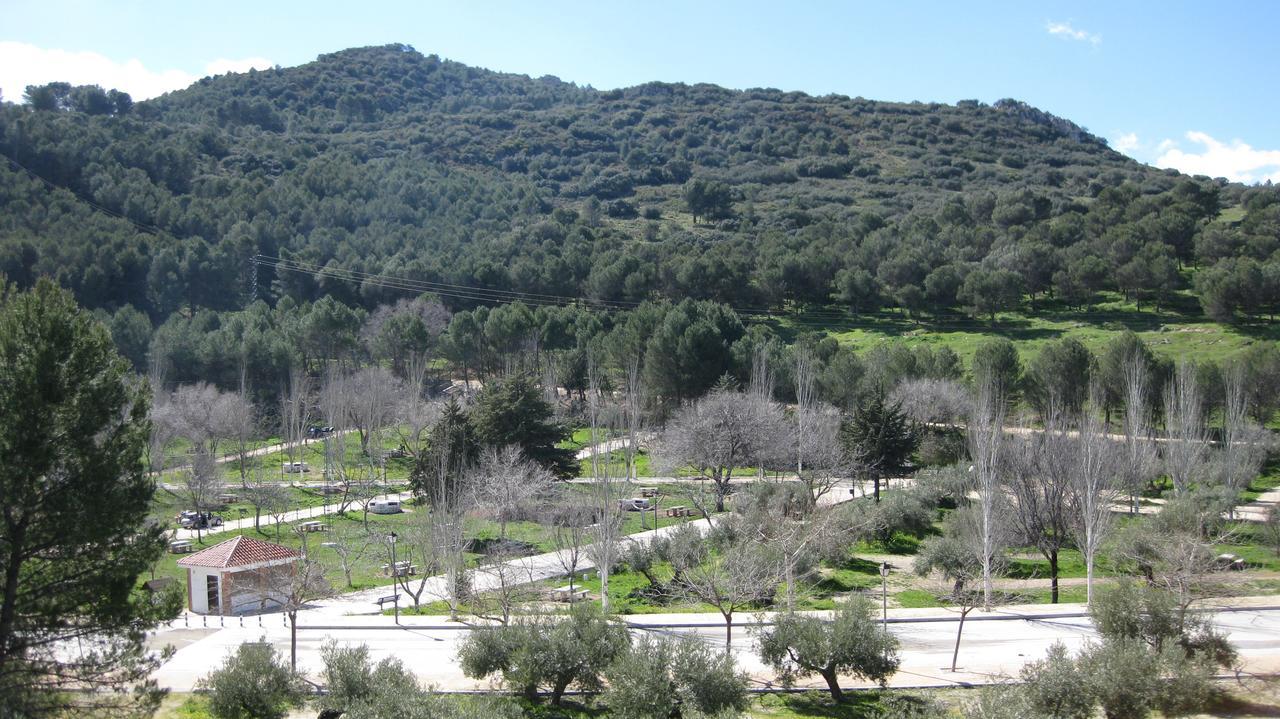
211 589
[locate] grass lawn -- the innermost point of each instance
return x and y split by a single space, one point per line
1178 332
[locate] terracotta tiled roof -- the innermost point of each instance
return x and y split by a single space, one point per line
238 552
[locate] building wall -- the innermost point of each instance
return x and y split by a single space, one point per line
196 591
240 592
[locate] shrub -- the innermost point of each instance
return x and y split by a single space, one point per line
663 677
1054 686
253 683
535 653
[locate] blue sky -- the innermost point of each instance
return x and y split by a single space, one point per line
1189 85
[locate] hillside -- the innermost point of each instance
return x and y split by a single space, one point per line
383 161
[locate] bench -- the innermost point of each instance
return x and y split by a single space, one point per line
181 546
566 594
394 599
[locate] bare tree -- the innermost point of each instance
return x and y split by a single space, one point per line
739 576
416 547
504 583
1040 477
505 481
350 545
365 401
933 401
570 535
806 380
1244 443
295 411
1186 437
1094 492
960 557
603 551
633 411
721 432
290 588
201 486
986 432
822 459
1140 457
415 414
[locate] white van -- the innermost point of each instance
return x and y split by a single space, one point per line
385 506
635 504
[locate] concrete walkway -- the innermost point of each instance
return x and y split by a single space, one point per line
270 520
994 644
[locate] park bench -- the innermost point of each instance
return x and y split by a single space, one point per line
393 599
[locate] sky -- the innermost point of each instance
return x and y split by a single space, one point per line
1189 85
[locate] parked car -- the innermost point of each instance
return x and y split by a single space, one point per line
635 504
198 520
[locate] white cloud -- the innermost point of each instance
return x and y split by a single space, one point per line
1065 30
1235 161
23 64
1126 143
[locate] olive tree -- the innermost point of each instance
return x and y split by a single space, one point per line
662 677
536 653
852 643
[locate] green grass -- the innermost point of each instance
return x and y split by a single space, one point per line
1178 332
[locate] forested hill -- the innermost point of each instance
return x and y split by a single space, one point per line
387 162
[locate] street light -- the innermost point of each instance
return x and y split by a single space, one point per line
884 596
395 577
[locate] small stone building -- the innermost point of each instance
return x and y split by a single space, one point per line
236 576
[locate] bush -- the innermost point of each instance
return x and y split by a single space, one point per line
361 690
663 677
535 653
1054 686
253 683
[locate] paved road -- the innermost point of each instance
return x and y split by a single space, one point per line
270 520
990 648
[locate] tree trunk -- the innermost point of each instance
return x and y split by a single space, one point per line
293 641
875 479
728 633
955 654
1053 577
833 685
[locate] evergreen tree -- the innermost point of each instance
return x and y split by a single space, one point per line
74 535
513 411
881 437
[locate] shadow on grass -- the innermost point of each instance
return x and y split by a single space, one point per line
856 705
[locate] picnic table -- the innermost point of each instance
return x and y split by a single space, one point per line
403 569
677 511
567 594
649 492
313 526
181 546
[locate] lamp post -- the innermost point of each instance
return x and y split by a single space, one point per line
395 577
884 596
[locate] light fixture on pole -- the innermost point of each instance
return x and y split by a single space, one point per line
884 595
395 577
